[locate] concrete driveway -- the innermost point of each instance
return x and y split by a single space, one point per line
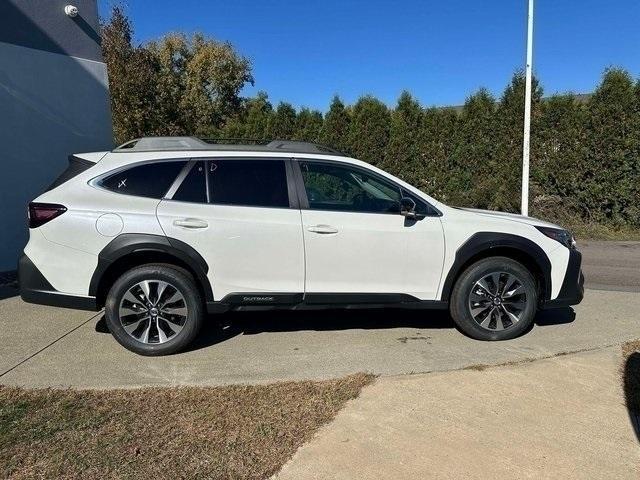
557 418
46 346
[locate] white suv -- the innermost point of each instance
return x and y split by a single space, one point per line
162 230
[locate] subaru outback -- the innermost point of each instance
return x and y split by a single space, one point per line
163 230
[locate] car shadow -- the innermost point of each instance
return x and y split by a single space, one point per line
228 325
222 327
555 316
8 291
631 382
101 325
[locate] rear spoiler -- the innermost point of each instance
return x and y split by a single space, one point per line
78 163
93 157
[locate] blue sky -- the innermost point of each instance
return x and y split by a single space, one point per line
306 51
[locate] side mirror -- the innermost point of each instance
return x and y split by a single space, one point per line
408 207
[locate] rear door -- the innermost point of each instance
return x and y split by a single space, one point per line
240 216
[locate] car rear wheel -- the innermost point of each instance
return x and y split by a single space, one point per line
494 299
154 310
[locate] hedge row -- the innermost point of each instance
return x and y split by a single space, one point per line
585 150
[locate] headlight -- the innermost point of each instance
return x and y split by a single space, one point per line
559 235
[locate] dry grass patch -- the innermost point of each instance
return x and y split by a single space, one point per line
590 231
481 367
630 348
234 432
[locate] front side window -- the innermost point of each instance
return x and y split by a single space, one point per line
343 188
253 183
148 180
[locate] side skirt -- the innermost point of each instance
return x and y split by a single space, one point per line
320 301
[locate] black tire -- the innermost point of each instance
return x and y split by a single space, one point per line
462 300
172 342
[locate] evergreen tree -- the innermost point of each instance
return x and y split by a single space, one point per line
558 149
369 130
507 173
473 159
252 121
282 124
259 111
632 211
610 180
436 148
402 156
308 125
335 128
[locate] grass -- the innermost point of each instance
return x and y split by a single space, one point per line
631 375
236 432
593 231
630 348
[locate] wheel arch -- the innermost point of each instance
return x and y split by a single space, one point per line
493 244
128 250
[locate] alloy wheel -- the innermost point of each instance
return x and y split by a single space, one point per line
153 311
497 301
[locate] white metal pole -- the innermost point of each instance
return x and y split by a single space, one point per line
524 206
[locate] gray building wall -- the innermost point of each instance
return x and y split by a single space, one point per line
54 101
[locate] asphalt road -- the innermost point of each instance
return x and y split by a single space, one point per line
47 346
611 265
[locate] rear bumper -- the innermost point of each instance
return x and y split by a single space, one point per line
572 290
34 288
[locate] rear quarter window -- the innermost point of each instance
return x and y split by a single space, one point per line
150 180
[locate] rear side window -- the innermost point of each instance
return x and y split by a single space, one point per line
255 183
194 186
148 180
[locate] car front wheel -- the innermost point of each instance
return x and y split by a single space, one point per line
154 310
494 299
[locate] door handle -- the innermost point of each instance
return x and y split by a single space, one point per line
190 223
323 229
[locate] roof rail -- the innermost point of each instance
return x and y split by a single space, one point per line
302 147
153 144
162 143
235 141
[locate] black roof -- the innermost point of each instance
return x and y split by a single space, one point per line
155 144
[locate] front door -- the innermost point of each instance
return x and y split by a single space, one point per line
236 213
356 240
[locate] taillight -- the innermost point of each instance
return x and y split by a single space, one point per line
41 213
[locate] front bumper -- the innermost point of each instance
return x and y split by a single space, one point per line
34 288
572 290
